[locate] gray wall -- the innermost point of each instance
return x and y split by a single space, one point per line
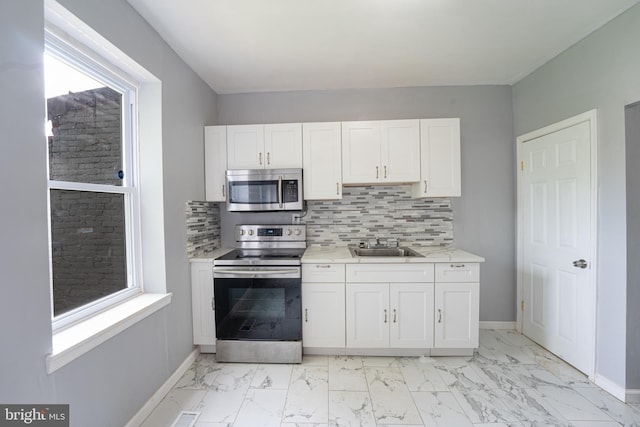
484 217
599 72
109 384
632 125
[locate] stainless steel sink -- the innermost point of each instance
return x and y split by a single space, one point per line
384 252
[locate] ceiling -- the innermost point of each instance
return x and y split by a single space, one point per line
239 46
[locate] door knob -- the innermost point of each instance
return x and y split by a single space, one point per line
580 263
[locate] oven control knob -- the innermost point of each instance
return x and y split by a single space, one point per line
250 232
297 231
289 232
241 232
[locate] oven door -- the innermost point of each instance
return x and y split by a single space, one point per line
258 303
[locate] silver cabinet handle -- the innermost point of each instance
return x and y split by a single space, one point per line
439 315
337 188
213 303
385 171
280 192
394 315
323 266
385 315
457 265
268 158
581 263
377 174
425 185
260 157
224 190
306 315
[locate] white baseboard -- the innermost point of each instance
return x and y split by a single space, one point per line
165 388
498 325
610 387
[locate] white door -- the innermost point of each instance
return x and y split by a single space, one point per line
215 162
400 151
367 315
283 145
556 235
322 160
361 160
456 315
411 315
323 315
245 147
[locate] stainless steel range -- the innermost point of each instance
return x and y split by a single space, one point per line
257 290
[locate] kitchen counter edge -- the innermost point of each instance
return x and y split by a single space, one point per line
341 255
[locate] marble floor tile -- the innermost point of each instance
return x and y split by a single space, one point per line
272 376
423 375
201 374
350 409
392 401
440 409
308 396
508 382
626 415
572 405
347 373
261 408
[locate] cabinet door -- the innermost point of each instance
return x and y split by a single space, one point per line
215 162
245 147
283 146
411 315
323 311
361 143
322 160
367 315
456 315
204 328
439 159
400 151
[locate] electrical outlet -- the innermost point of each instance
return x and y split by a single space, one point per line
295 219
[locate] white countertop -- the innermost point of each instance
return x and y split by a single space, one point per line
341 254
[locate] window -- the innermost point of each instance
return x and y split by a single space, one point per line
92 181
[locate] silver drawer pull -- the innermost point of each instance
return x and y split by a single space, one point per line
323 266
457 265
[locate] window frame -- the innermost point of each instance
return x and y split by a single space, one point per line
83 59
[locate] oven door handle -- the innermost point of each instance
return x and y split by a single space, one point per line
233 272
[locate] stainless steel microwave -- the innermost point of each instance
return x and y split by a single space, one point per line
264 190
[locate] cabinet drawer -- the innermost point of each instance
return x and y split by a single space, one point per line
323 272
458 272
385 273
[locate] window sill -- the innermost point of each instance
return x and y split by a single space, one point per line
78 339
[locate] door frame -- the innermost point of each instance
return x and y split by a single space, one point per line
591 118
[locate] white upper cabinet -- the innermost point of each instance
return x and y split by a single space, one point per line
380 152
322 160
272 146
439 159
215 162
283 145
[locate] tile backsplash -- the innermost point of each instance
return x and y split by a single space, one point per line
203 227
388 212
364 213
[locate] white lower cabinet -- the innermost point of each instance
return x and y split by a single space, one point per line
457 295
323 307
204 319
389 306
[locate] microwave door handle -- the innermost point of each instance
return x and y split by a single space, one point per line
280 191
